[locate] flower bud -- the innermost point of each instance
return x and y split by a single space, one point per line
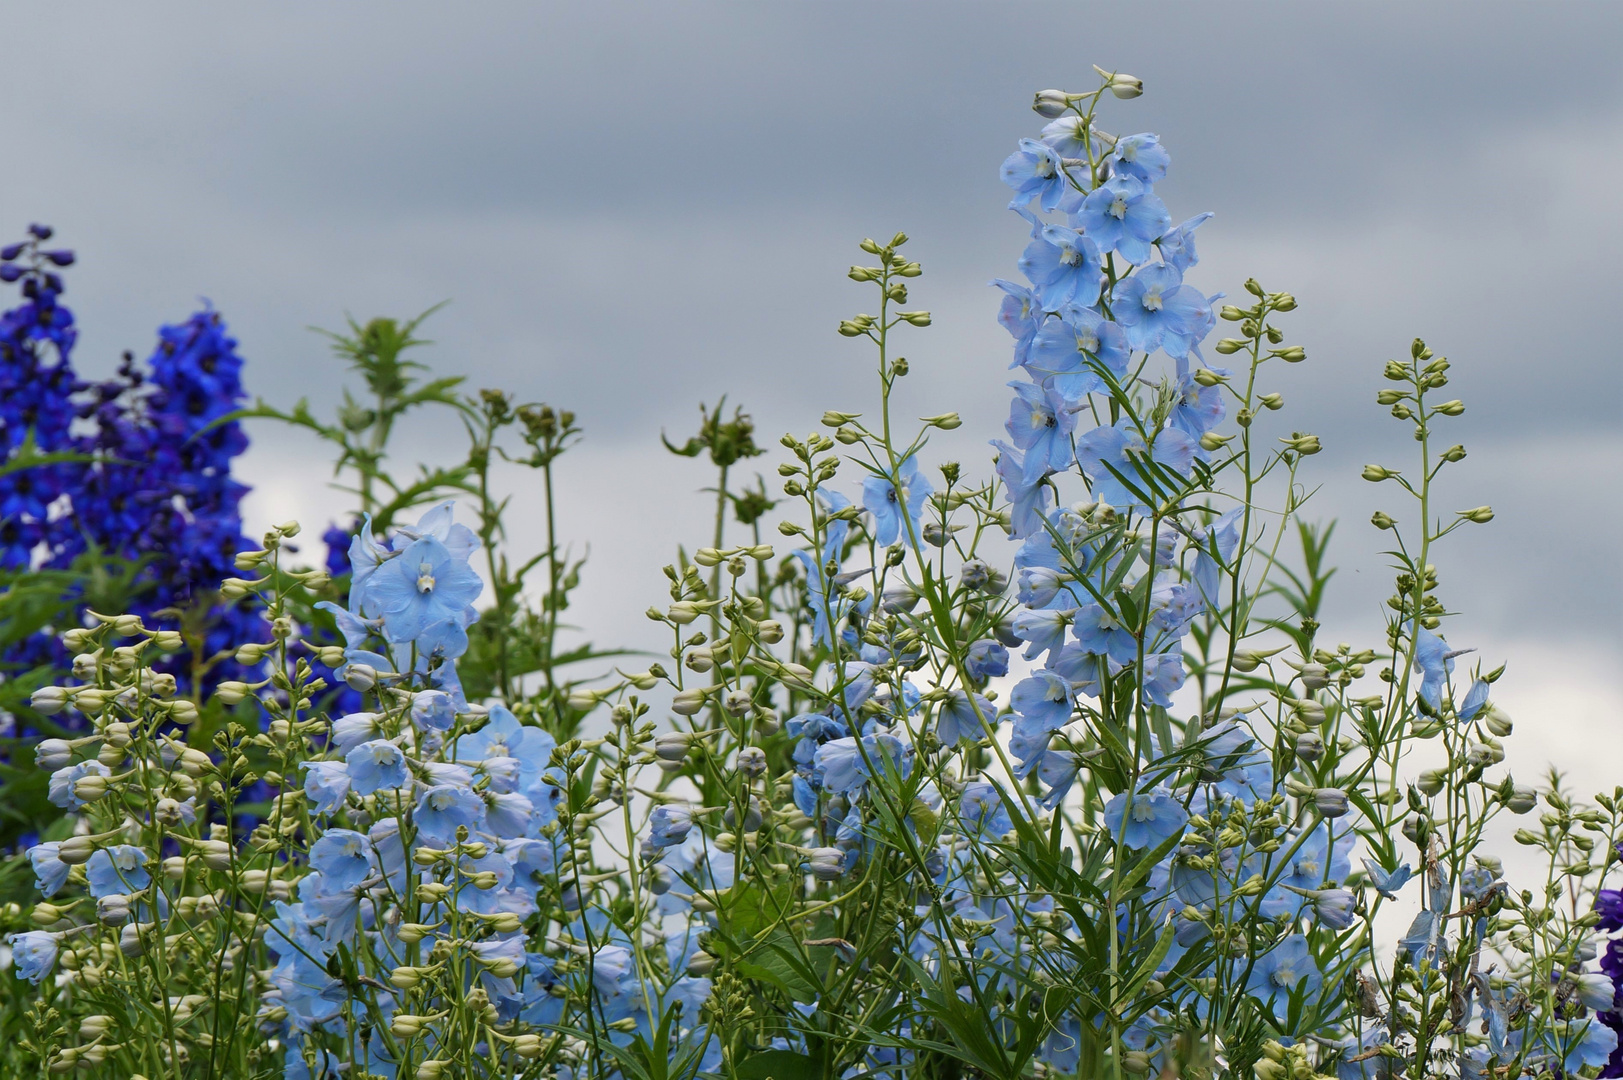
360 677
1121 85
231 692
688 702
1331 802
49 700
1309 746
826 863
1052 104
113 910
53 754
672 745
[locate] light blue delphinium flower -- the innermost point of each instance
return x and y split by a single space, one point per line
1042 701
33 953
959 717
326 783
669 825
1280 971
1435 660
1198 408
1140 156
1157 310
1145 819
433 710
1178 246
504 736
374 765
1021 315
1043 630
1163 674
879 498
422 585
1109 455
343 858
1123 215
59 789
444 807
982 810
1027 499
50 872
843 769
986 659
1035 172
1065 349
1222 537
1040 424
1098 632
117 870
1387 883
1063 266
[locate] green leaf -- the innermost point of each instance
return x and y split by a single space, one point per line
779 1065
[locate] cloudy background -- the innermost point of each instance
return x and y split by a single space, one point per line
637 208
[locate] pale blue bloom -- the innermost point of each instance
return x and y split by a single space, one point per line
1067 350
1020 315
986 659
982 809
343 858
445 807
1110 455
1157 310
1040 424
33 953
1145 819
376 764
117 870
1064 266
1178 246
1141 156
879 498
1279 972
59 789
669 825
422 585
1035 172
1387 883
1123 215
433 710
50 872
957 719
326 783
1027 499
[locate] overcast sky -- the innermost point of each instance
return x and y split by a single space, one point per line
636 208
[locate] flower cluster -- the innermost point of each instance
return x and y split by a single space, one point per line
144 478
